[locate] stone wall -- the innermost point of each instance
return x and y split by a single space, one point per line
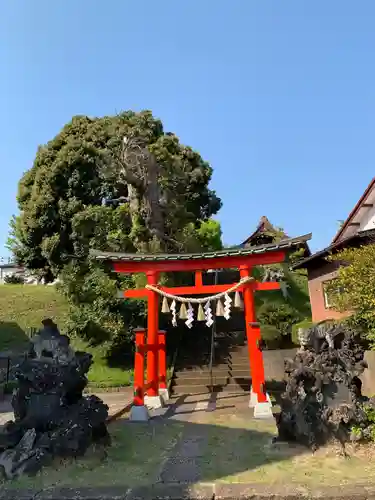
274 363
274 368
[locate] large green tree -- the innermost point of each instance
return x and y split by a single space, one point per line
164 183
163 204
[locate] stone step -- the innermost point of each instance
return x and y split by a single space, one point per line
244 365
202 361
244 353
201 368
195 389
240 374
233 387
200 381
237 359
240 380
240 354
206 389
201 373
200 376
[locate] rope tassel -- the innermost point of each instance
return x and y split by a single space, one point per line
237 300
200 315
219 308
165 306
183 312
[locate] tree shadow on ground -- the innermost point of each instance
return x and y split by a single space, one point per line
208 453
166 451
12 337
14 343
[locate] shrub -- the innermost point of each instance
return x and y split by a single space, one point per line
14 279
280 316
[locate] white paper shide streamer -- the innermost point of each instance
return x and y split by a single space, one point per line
190 316
174 313
186 304
208 314
227 306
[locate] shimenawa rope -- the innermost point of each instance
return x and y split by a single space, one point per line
203 300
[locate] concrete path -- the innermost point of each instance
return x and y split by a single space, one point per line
182 466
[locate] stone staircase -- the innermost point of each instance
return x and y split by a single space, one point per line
230 369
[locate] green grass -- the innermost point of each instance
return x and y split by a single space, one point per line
134 459
239 450
235 449
24 306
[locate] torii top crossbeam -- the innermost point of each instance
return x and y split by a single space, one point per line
228 258
243 259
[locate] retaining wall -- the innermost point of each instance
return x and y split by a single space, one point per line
274 368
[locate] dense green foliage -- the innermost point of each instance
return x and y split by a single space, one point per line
353 289
166 205
276 313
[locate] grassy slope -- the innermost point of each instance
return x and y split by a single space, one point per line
24 306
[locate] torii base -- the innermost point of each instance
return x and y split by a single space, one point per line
164 394
154 402
261 410
254 398
139 414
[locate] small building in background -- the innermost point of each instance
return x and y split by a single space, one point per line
357 230
8 268
266 233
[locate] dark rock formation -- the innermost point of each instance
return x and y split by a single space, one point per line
323 399
51 416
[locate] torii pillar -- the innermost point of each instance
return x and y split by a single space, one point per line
259 399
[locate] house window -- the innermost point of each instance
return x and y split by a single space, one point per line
327 294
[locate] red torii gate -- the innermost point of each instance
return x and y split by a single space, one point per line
244 259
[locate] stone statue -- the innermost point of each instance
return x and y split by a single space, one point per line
277 274
51 415
49 343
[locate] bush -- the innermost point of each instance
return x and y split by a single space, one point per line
366 431
269 333
14 279
280 316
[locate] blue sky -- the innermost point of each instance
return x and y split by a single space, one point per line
277 95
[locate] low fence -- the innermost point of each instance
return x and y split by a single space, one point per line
7 362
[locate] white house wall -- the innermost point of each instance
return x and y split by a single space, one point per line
368 221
